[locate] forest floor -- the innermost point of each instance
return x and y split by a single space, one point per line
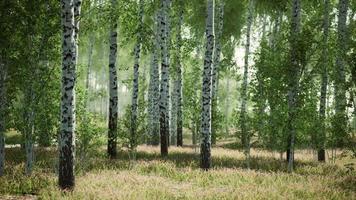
178 176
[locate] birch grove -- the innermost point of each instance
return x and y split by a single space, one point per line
111 93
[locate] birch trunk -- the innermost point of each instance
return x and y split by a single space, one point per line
134 104
173 117
3 73
29 128
353 92
215 70
206 90
293 75
261 105
245 138
324 84
227 106
179 91
168 43
154 88
272 114
67 133
340 118
90 63
113 89
164 87
195 118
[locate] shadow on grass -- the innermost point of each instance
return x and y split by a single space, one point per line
152 162
46 160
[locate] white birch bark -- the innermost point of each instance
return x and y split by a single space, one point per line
168 43
113 88
154 88
216 63
67 135
90 63
173 117
134 102
164 87
205 150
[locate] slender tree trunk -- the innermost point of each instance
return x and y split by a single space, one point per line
3 95
86 121
29 144
206 90
293 75
134 104
244 132
353 76
168 43
273 110
77 10
29 128
154 87
227 106
276 26
324 84
261 103
113 89
69 53
215 70
194 133
354 116
90 63
340 118
173 125
196 117
164 88
179 91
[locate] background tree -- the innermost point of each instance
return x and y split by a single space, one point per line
340 118
135 89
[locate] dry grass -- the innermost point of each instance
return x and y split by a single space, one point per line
178 177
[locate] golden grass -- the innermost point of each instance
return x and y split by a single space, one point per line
178 177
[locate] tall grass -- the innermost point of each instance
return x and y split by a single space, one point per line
178 176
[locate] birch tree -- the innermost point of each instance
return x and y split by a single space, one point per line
67 137
137 51
90 61
340 118
154 88
113 87
179 89
205 151
245 138
216 63
293 79
29 119
168 43
324 83
164 87
173 116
